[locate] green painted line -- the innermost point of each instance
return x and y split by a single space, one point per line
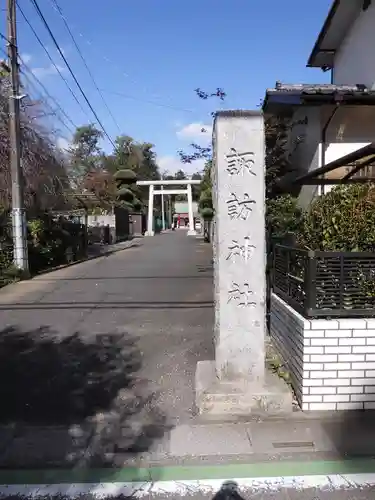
181 473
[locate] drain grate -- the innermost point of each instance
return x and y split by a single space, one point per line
294 444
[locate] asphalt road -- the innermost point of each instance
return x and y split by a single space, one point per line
159 292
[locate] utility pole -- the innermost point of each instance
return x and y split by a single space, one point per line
20 253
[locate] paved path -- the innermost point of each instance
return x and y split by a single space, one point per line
143 318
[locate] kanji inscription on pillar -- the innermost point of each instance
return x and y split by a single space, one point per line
241 295
240 250
240 163
239 208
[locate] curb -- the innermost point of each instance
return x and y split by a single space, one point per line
171 481
189 473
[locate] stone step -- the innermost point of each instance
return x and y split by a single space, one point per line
221 398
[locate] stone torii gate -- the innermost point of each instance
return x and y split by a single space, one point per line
152 192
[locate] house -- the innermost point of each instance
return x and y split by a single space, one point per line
332 126
345 43
181 211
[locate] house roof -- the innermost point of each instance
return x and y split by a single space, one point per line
293 95
358 167
337 24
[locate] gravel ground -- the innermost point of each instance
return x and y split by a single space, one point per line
366 493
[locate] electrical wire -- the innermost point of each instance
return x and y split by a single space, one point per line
127 96
29 84
126 75
24 65
59 10
36 5
52 61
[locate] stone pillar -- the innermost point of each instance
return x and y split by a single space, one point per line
236 383
150 219
240 243
191 231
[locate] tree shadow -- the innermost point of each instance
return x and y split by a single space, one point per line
73 401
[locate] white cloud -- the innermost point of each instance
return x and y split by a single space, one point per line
172 164
47 70
62 143
195 131
26 58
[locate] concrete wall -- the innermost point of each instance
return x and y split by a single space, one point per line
100 220
355 60
332 362
96 224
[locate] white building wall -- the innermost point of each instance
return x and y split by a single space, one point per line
350 129
331 361
303 147
355 60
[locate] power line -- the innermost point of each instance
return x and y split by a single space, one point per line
43 87
127 96
58 8
126 75
51 59
47 93
35 3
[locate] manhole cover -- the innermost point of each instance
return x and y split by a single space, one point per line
294 444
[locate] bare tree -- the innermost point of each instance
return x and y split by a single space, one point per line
45 177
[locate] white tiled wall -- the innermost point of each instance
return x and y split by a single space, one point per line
331 361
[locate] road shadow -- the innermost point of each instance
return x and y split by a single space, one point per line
352 432
73 401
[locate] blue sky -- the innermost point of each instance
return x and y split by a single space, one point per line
156 52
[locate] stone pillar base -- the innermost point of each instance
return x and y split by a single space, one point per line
215 398
191 232
149 233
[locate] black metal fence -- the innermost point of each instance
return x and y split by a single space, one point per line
325 284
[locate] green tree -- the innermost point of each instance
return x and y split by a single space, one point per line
85 154
196 188
277 164
198 152
205 198
179 176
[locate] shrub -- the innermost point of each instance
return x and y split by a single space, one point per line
283 216
341 220
125 194
137 205
207 213
125 176
205 200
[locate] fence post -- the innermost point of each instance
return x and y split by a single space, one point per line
310 284
288 253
